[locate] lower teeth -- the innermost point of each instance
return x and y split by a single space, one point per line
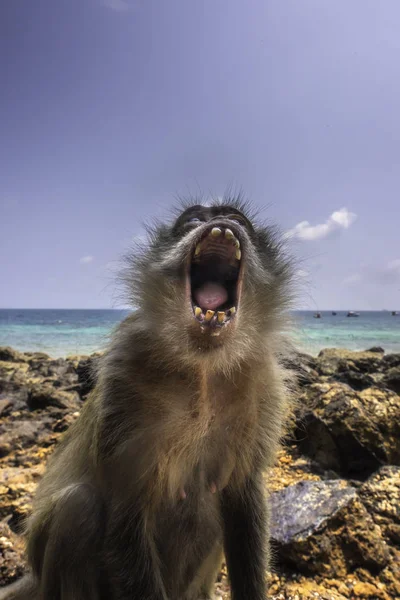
215 319
209 315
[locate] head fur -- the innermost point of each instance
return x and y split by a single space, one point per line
158 280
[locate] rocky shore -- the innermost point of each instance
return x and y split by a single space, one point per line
335 491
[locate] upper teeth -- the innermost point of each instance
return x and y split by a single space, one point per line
216 231
228 234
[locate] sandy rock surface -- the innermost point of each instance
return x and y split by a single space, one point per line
334 492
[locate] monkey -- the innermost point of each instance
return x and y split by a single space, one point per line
162 473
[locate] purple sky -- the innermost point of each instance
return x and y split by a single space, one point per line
110 108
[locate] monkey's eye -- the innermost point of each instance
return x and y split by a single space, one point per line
238 219
194 220
241 220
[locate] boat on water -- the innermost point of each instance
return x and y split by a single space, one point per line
317 315
351 313
334 313
394 313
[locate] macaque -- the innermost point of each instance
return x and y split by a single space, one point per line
162 472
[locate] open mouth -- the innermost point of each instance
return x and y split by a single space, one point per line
215 278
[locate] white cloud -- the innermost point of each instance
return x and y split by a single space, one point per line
117 5
340 219
85 260
302 273
343 217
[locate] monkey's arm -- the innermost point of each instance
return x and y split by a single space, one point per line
133 561
133 566
245 519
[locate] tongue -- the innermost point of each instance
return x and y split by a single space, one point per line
211 295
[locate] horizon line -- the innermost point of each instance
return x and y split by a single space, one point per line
314 310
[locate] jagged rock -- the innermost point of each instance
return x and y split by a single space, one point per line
381 495
383 408
42 396
390 578
352 527
15 373
304 366
22 434
357 381
8 354
17 487
5 405
66 421
60 371
34 356
299 509
13 397
391 379
331 360
349 432
11 555
391 360
321 527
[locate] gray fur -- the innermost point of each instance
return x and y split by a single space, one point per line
173 413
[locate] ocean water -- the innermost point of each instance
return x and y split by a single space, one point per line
65 332
371 328
59 332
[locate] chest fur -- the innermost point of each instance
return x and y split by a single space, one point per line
206 435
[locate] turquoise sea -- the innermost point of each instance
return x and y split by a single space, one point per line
65 332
